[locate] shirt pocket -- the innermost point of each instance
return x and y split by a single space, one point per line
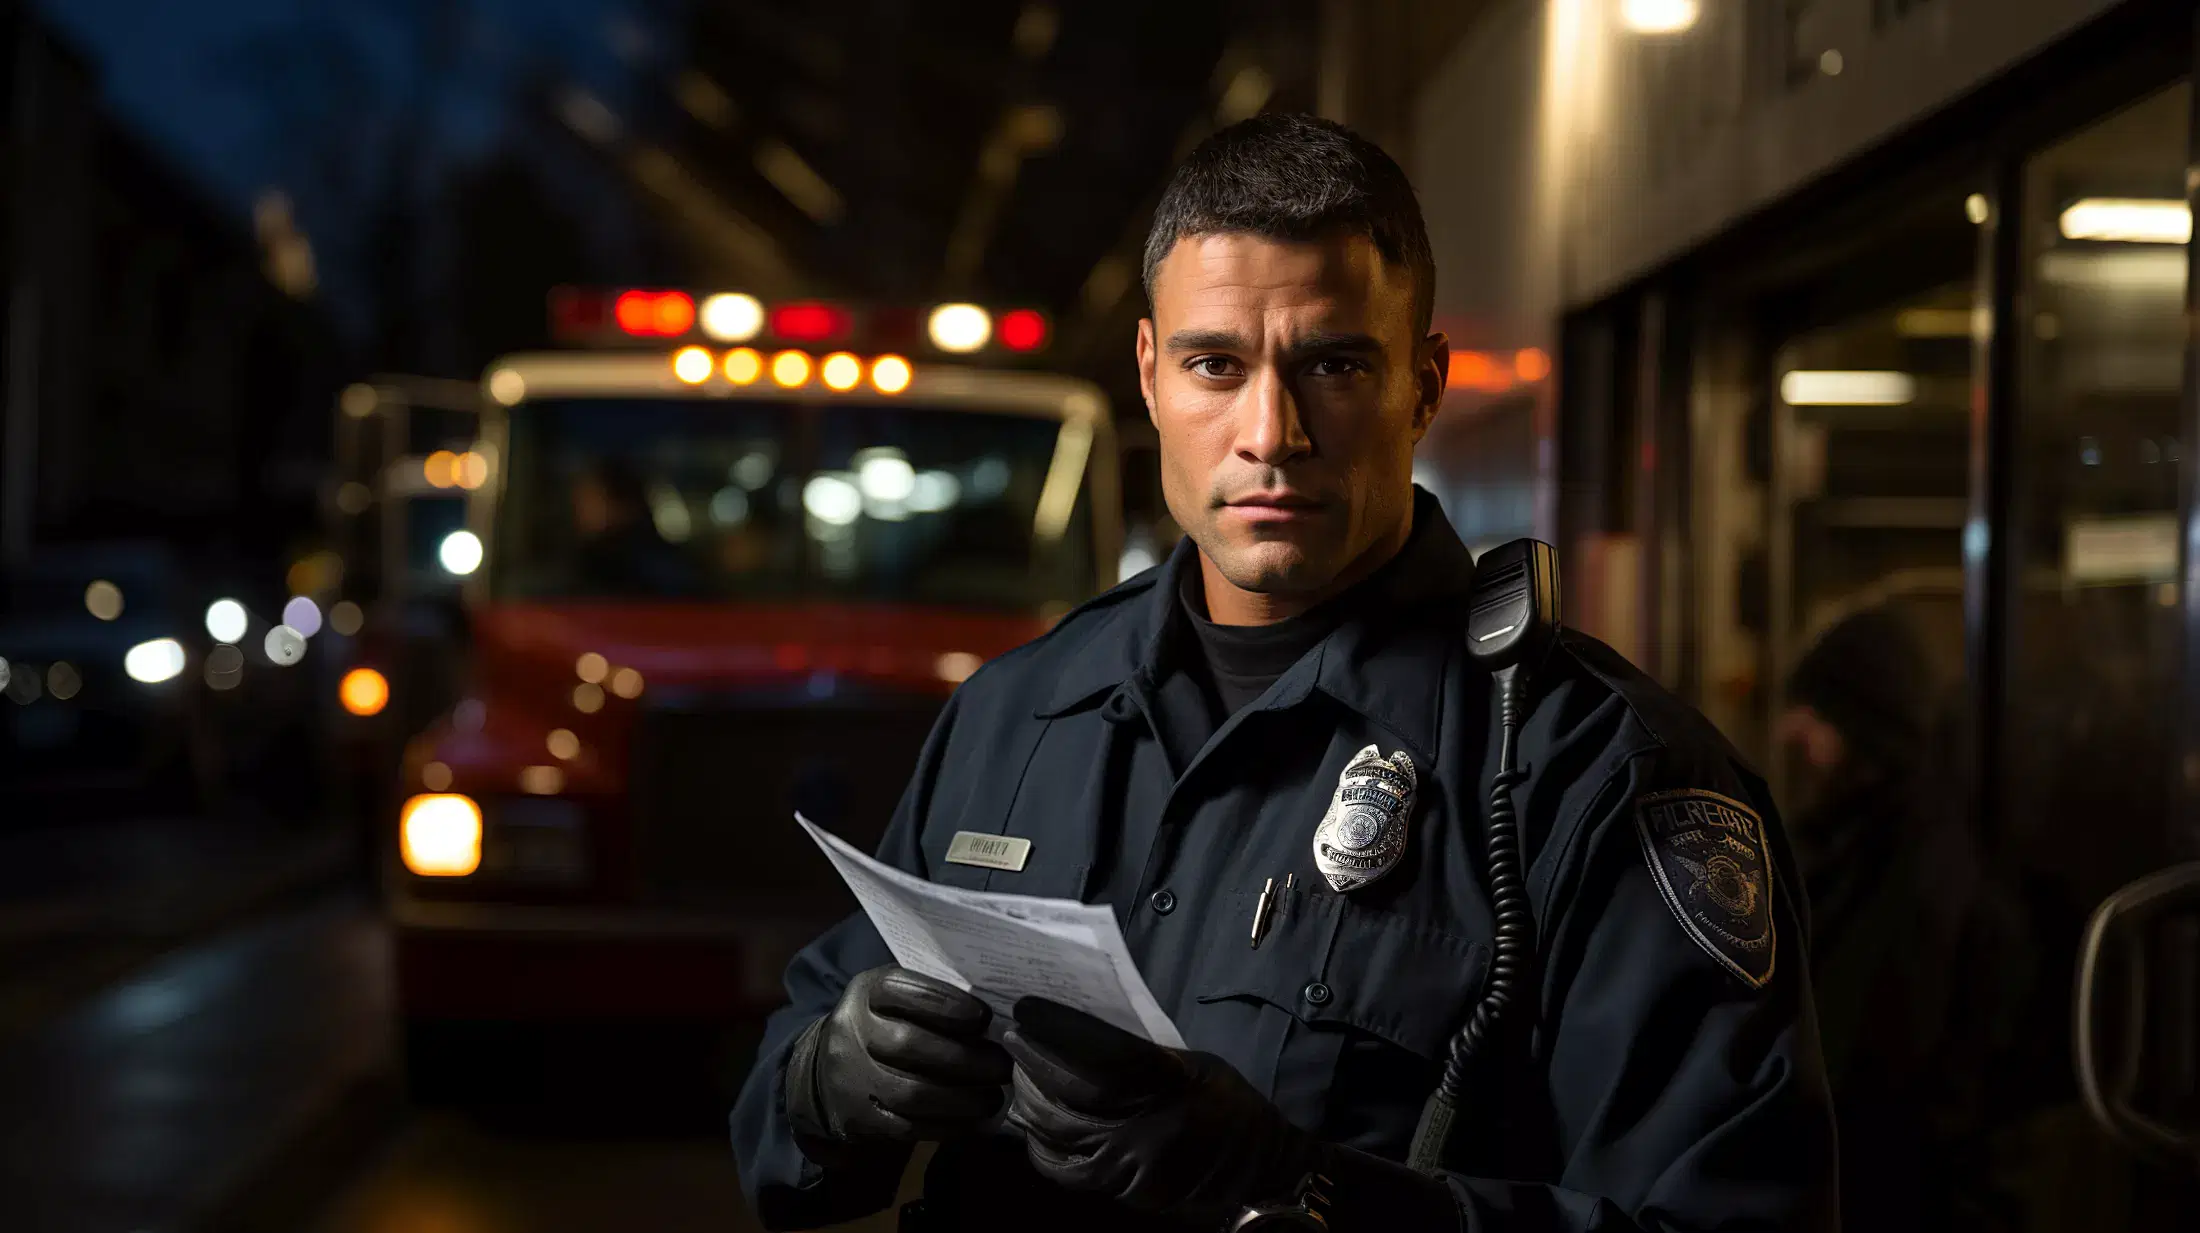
1344 1013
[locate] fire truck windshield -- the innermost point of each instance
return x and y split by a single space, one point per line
692 500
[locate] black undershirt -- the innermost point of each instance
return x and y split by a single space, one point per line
1237 663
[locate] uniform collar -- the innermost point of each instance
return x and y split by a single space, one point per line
1363 663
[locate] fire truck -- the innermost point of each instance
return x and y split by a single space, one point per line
722 569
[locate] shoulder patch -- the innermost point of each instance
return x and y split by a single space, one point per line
1707 853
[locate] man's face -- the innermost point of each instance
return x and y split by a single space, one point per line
1289 387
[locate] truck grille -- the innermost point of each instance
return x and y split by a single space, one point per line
715 787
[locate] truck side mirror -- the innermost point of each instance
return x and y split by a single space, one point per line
2138 997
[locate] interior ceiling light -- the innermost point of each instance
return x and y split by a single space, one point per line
1659 16
1847 388
2133 220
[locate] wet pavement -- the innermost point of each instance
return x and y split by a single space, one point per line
83 904
166 1100
248 1082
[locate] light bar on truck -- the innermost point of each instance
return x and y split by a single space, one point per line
841 372
643 315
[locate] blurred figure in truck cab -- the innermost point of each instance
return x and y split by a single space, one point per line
618 550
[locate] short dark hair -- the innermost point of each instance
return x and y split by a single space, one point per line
1296 177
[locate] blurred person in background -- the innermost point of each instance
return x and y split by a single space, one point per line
1912 949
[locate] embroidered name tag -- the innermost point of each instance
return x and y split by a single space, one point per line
989 851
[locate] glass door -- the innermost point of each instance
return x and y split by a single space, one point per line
2093 646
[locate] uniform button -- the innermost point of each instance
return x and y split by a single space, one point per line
1163 901
1315 993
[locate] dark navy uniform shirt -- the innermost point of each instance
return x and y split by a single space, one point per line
1663 1075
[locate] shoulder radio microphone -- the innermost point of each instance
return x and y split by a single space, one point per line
1512 620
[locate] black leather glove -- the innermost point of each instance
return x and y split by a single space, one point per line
1177 1134
901 1059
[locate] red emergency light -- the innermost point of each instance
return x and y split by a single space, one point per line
1023 329
809 322
655 314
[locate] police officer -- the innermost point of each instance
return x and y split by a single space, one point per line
1172 748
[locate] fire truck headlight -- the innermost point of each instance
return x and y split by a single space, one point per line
152 662
439 835
364 692
227 620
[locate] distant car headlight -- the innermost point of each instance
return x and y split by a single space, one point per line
155 661
439 835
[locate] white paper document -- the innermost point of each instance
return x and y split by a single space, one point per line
1002 947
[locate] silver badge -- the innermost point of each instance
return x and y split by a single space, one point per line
1364 833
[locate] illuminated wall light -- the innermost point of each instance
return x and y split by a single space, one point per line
440 469
743 366
542 781
955 667
587 698
440 835
591 667
1659 16
1854 388
150 663
562 744
692 364
226 620
627 683
314 573
2132 220
364 692
347 618
841 371
283 646
1023 329
473 470
507 387
1531 364
303 615
890 374
731 316
1977 208
460 552
103 599
959 327
791 369
357 400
